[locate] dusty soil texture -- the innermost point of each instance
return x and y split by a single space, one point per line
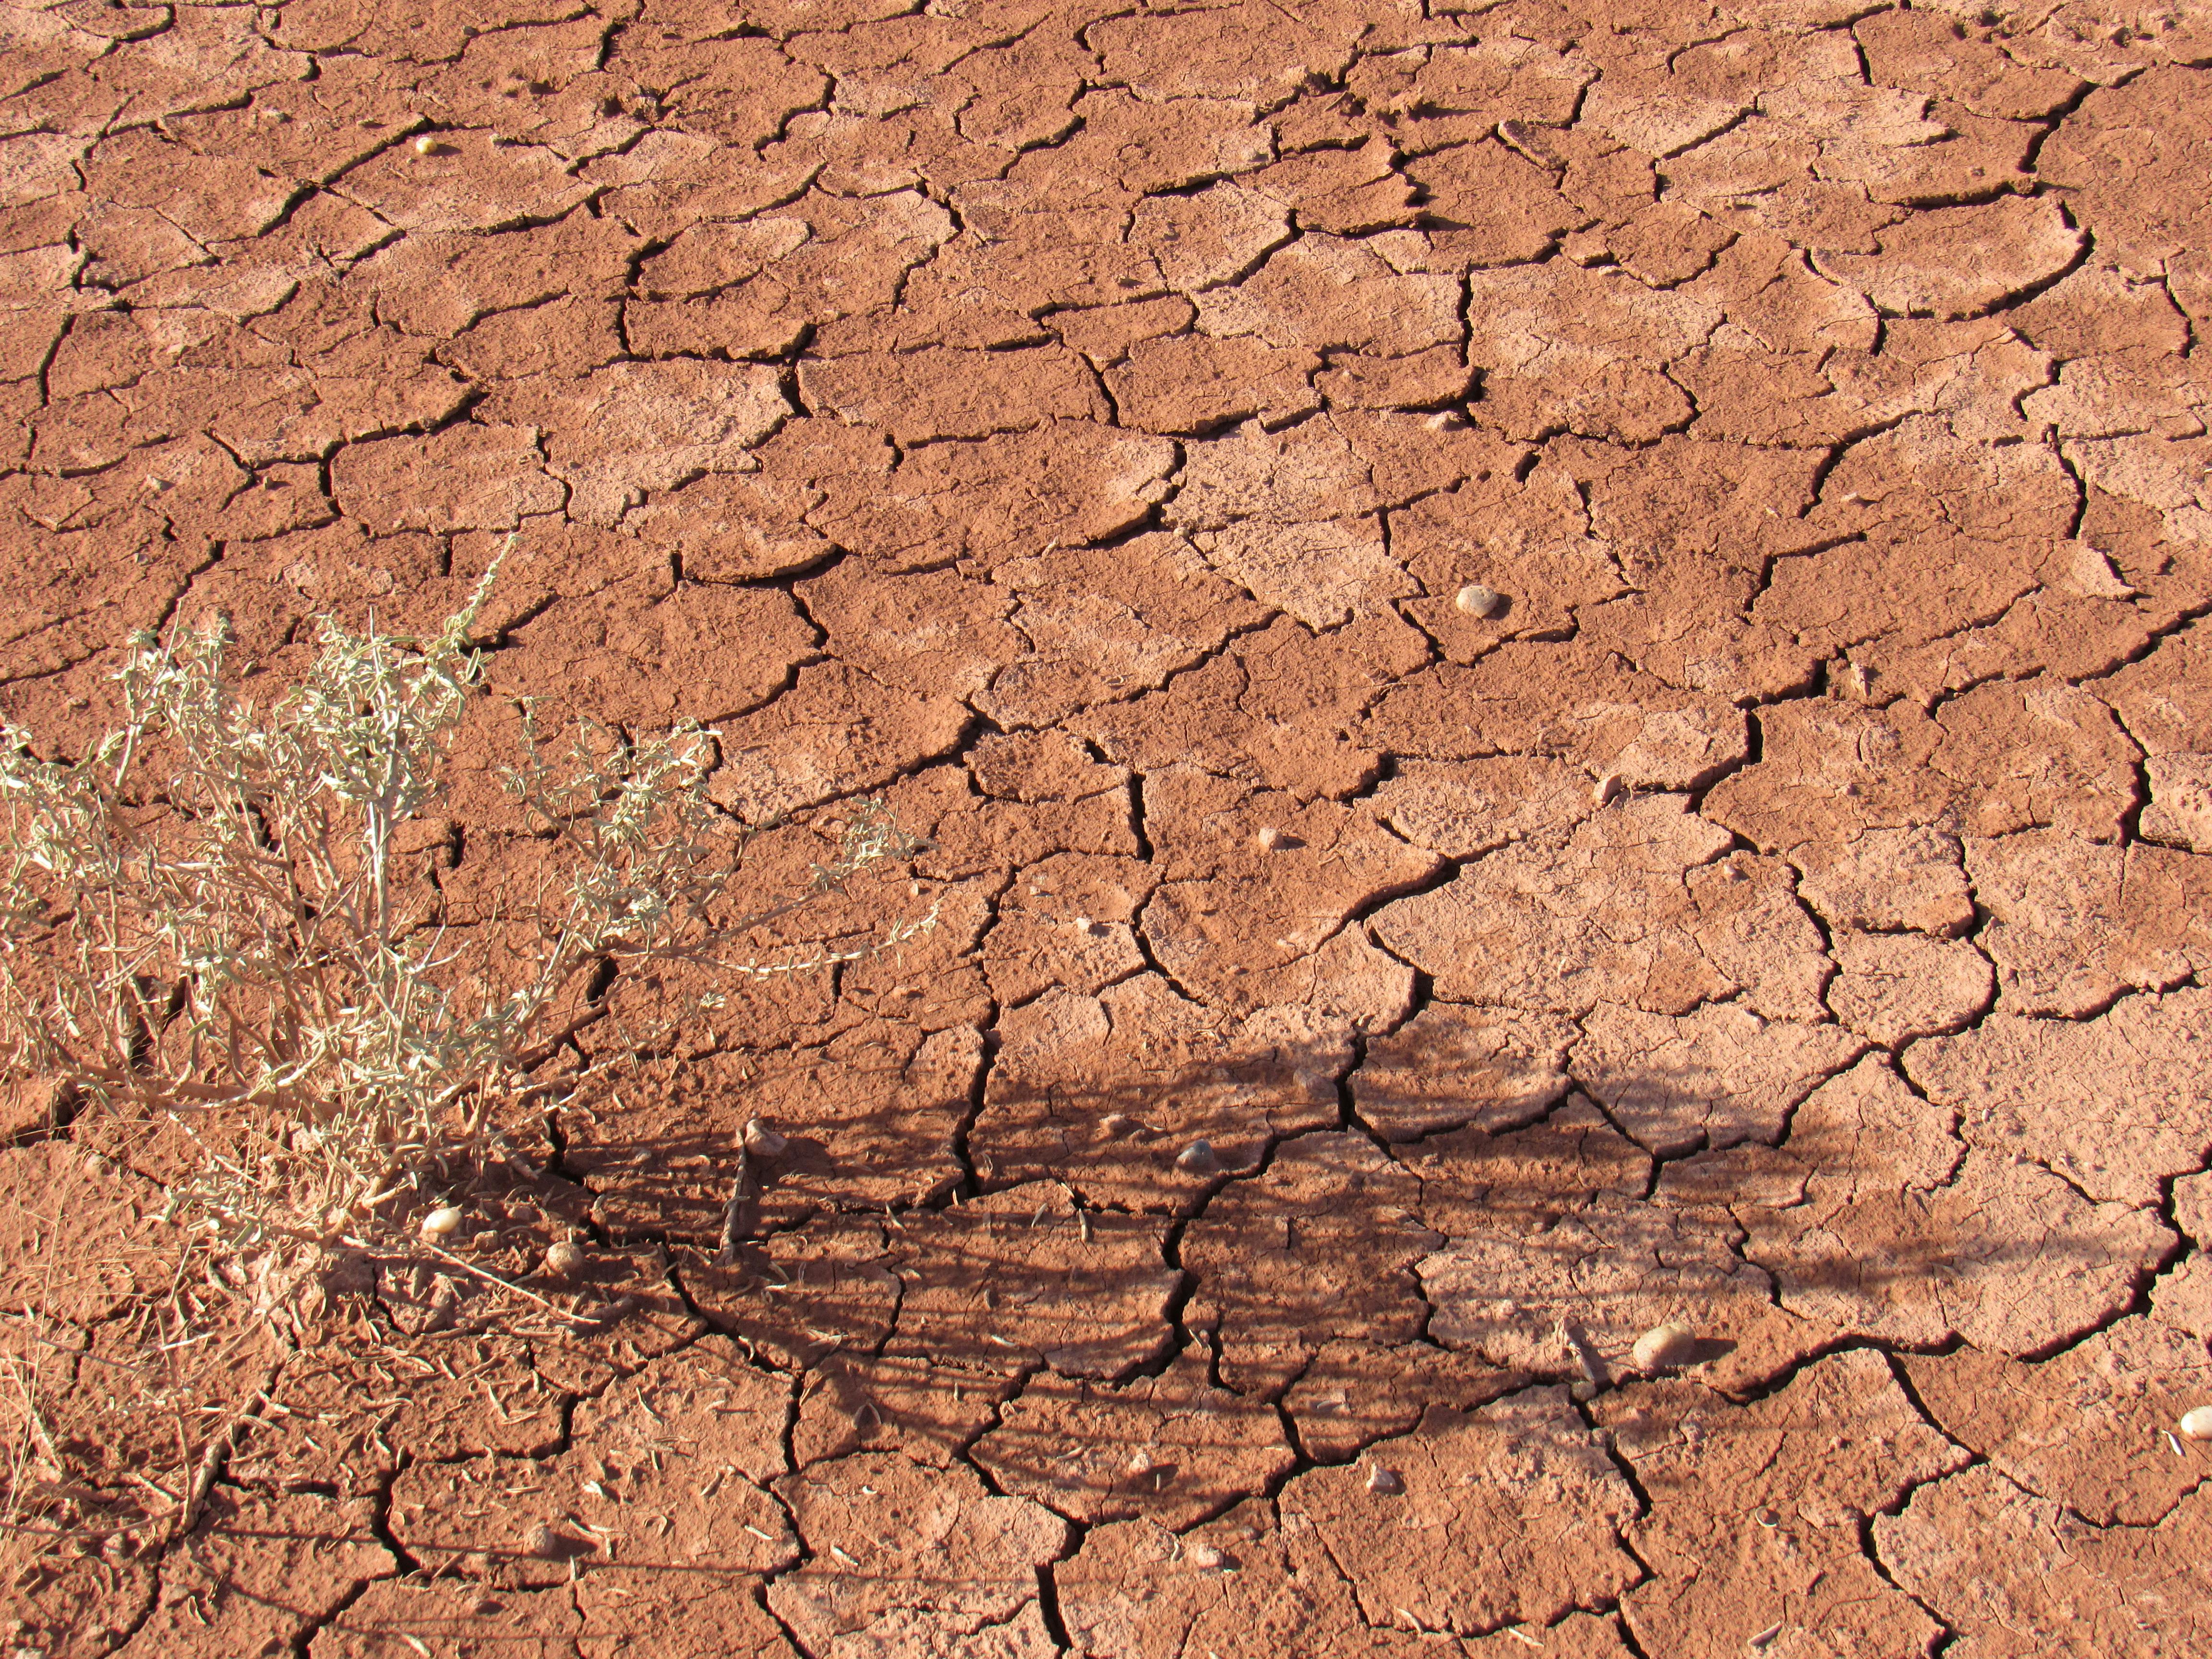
1555 658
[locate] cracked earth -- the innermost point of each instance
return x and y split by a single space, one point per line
1783 903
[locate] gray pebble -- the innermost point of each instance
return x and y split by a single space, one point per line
1197 1157
1476 600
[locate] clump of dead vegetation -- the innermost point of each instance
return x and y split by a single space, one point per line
218 957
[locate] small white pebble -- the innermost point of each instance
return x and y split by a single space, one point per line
1120 1125
1209 1559
541 1540
1197 1157
428 144
1141 1465
1476 600
2197 1424
1085 925
763 1141
1385 1482
441 1223
1272 839
1606 788
564 1259
1664 1347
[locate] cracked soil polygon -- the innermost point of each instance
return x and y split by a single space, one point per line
1172 1450
2088 1428
1893 1237
1324 1240
1509 1513
1106 1093
901 1558
1248 1584
1451 1065
1890 987
626 1490
1754 1510
260 1564
2013 1573
1640 907
1025 1277
2115 1103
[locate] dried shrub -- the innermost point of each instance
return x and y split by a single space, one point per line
211 935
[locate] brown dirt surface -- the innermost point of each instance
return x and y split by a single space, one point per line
1555 659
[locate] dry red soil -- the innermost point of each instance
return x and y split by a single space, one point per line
1789 910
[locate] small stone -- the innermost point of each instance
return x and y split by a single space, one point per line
1664 1347
1606 788
428 145
763 1141
1085 925
541 1540
564 1259
441 1224
1385 1483
1120 1125
1207 1559
2196 1423
1141 1465
1196 1159
1274 840
1476 600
